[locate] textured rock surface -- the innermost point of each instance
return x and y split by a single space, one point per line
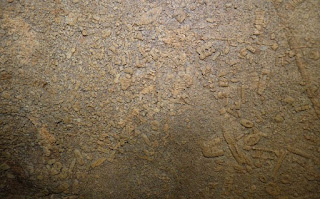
159 99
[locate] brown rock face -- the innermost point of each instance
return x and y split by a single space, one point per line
159 99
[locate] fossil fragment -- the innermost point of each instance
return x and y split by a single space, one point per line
56 168
146 139
279 162
285 179
4 167
155 125
46 140
314 54
259 22
263 81
180 15
252 139
98 162
238 155
125 83
5 75
279 118
63 186
251 49
274 46
299 152
215 56
211 148
288 100
223 82
246 123
273 189
292 4
71 19
106 33
302 108
243 52
150 16
79 156
205 50
242 92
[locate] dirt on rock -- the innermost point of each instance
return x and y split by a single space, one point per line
160 99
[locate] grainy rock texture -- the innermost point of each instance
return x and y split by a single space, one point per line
160 99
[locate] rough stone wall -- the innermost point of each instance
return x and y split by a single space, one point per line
160 99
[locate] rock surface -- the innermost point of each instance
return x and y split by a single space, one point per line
159 99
